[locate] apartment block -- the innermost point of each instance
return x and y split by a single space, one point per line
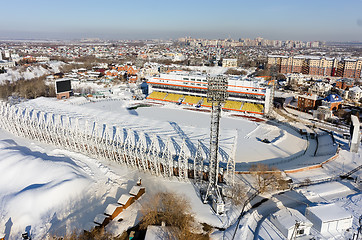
317 66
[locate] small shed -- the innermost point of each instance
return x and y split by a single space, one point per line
126 200
137 191
218 205
291 223
102 220
113 210
329 218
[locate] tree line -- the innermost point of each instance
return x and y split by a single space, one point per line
29 89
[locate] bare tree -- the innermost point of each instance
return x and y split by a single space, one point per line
236 193
171 209
268 179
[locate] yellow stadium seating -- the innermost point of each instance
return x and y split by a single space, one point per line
206 103
191 99
157 95
251 107
232 105
172 97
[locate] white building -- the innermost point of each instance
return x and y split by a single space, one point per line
320 88
6 64
291 223
329 218
355 93
42 59
295 78
229 62
7 54
322 113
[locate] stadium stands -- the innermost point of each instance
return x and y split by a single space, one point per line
157 95
172 97
205 103
229 104
232 105
192 99
253 108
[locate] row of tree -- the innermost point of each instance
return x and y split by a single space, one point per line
28 89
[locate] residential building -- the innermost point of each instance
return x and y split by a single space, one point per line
291 223
352 68
344 83
320 88
323 113
229 62
316 65
332 101
355 93
6 64
308 102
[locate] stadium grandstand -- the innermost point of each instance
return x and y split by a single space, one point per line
172 97
232 105
192 100
252 108
246 95
157 95
205 103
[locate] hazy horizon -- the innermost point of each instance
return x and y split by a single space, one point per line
118 20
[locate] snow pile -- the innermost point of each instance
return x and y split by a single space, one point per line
36 185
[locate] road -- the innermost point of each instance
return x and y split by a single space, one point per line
316 123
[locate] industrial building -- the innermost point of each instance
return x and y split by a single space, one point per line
329 218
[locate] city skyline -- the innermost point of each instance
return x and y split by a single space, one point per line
277 20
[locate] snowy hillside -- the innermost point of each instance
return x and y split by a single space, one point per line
30 72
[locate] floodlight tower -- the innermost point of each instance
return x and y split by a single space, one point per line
216 94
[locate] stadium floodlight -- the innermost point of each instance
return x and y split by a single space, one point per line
216 95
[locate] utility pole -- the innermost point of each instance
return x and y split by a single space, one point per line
295 230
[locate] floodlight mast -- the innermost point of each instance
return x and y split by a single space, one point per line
216 94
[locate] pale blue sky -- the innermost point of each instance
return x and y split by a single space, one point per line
328 20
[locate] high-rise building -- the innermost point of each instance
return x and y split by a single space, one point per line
314 65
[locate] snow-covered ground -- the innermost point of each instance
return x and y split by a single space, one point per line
13 75
51 190
173 121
